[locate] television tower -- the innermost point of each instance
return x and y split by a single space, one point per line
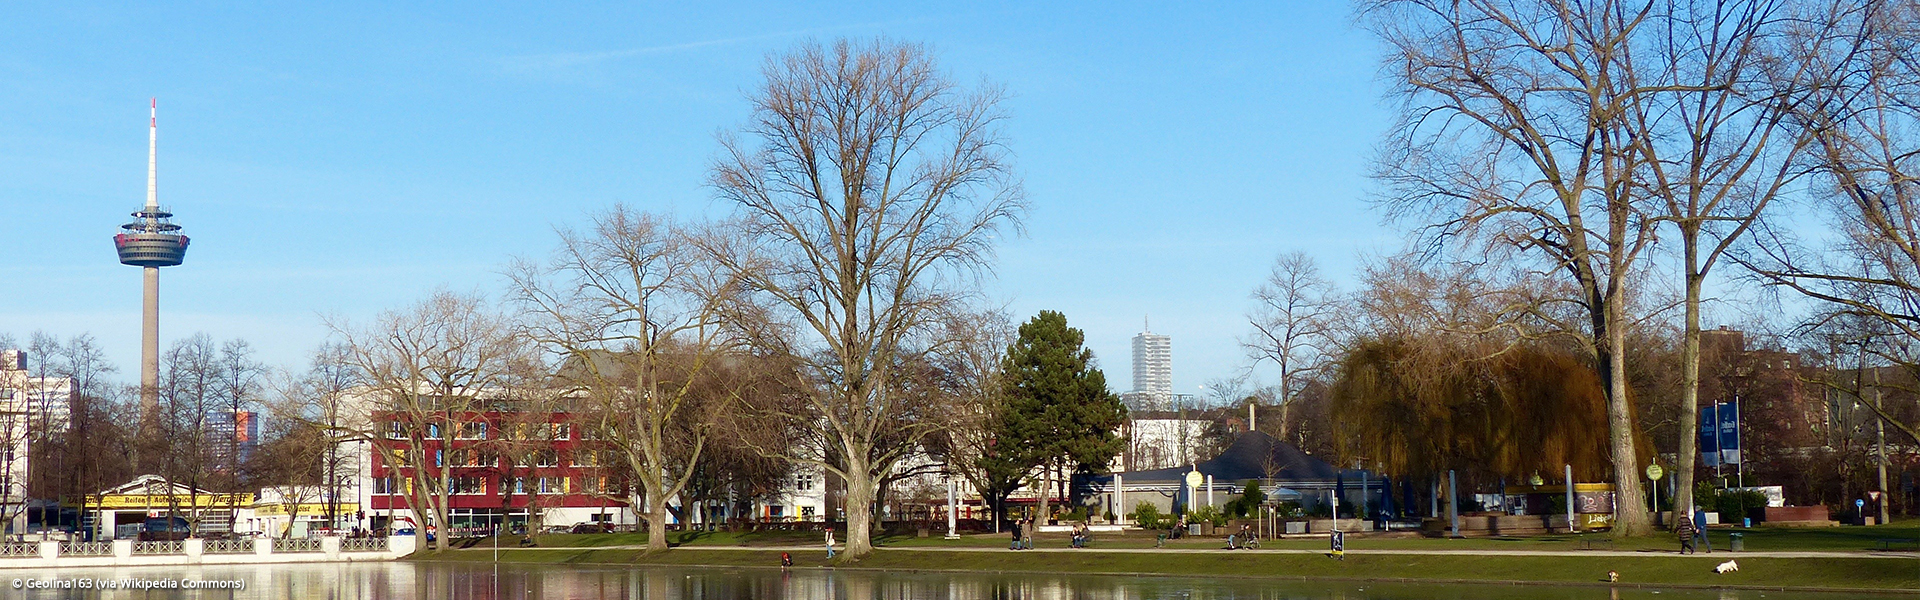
151 241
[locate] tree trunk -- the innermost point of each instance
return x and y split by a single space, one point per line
1629 518
656 522
1683 468
859 508
1046 490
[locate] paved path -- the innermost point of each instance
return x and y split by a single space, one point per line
1353 552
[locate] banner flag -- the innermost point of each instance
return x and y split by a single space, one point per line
1729 433
1709 442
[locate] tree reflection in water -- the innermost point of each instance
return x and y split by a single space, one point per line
443 581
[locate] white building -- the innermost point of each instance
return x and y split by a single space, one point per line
30 408
1152 367
1156 441
48 400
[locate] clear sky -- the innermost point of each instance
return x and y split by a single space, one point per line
352 157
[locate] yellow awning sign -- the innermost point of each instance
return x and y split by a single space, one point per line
143 501
304 509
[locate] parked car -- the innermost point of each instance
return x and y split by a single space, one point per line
590 528
164 529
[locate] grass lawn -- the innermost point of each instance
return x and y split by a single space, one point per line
1849 573
897 553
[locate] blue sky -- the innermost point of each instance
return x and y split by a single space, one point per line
349 158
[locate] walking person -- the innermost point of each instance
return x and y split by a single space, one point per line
1700 529
829 543
1026 533
1684 530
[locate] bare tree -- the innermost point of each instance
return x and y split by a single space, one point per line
292 459
1720 144
189 395
871 189
1291 323
1864 140
238 389
635 313
1512 132
971 371
98 447
428 369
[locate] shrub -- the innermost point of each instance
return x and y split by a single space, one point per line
1248 504
1209 514
1289 509
1148 516
1733 504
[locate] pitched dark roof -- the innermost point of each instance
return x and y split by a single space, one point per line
1253 455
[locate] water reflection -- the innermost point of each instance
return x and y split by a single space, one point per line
439 581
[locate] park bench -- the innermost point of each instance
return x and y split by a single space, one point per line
1596 542
1897 544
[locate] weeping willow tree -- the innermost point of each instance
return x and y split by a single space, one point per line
1417 407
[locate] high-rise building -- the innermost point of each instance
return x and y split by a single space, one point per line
1153 364
233 431
46 402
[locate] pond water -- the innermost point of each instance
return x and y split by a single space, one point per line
436 581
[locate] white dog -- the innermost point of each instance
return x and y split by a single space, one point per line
1726 567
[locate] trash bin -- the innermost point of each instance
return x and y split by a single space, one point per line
1738 542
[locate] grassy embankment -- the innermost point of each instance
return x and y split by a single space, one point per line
908 553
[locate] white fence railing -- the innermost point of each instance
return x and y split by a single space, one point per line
86 548
363 544
234 551
296 545
240 546
159 547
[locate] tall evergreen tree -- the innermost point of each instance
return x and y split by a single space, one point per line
1058 407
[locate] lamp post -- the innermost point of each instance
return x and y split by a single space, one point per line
953 512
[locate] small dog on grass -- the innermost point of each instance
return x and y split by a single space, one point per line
1727 567
1613 576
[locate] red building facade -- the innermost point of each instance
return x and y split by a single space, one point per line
504 467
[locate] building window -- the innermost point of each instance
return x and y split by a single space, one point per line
552 485
467 485
547 458
806 512
439 458
433 430
517 484
384 485
560 431
396 430
473 431
803 482
587 458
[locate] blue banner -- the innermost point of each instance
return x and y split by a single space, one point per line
1729 433
1709 437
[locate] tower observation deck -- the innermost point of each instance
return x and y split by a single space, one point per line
151 240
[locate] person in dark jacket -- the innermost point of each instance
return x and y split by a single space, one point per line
1685 531
1700 530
